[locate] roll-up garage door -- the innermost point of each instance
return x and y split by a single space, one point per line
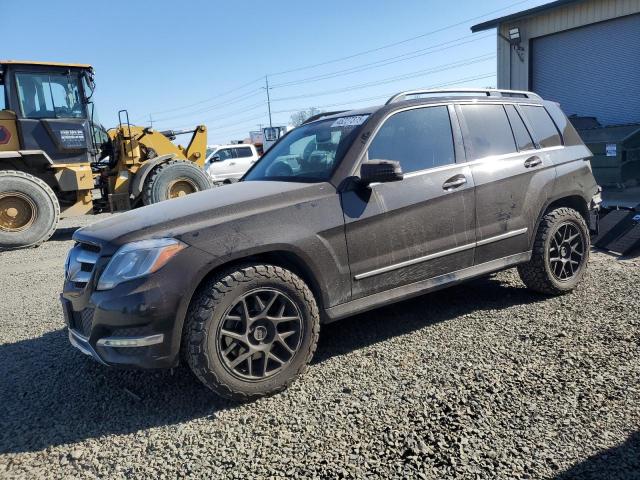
592 70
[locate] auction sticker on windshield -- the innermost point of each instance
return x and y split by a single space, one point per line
350 121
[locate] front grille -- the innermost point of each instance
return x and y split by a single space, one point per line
82 261
82 322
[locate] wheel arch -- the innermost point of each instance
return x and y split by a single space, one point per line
284 258
575 201
142 174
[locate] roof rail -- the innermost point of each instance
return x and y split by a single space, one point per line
489 92
318 116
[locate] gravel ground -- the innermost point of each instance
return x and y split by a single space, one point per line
483 380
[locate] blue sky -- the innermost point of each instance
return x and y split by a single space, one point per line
193 62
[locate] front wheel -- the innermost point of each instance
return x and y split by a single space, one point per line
251 331
560 253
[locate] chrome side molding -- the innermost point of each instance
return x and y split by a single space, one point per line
425 258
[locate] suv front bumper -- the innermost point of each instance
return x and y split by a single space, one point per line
137 323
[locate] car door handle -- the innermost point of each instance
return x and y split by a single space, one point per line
532 162
454 182
232 163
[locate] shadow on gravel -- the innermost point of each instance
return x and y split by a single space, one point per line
51 394
375 326
63 234
617 463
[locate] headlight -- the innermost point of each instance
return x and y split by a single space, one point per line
137 259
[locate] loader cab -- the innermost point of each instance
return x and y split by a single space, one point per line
51 106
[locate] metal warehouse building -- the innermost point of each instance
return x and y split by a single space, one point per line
584 54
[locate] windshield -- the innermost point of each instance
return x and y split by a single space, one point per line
45 95
309 153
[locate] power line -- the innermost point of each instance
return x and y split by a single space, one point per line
380 63
210 98
234 100
383 47
239 122
387 95
377 97
400 42
454 82
233 114
387 61
440 68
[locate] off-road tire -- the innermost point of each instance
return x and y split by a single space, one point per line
157 183
207 311
537 274
47 210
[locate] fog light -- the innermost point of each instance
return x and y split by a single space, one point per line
131 341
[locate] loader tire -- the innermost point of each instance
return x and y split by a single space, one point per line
29 210
174 179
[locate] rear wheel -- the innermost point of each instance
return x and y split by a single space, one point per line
251 331
29 210
174 179
560 253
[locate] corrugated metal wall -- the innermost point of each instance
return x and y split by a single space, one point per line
592 70
514 73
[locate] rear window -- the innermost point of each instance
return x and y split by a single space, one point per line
520 132
243 152
489 132
543 127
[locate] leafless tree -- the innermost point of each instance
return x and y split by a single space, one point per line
299 118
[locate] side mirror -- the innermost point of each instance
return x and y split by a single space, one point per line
215 158
380 171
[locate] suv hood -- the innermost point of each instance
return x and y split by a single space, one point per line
175 217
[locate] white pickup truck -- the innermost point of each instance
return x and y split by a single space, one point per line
230 162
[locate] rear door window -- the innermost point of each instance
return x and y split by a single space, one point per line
242 152
520 132
488 130
543 127
420 138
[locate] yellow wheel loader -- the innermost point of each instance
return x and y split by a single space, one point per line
56 160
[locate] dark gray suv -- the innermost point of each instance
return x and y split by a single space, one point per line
348 212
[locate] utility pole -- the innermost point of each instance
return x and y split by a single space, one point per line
150 121
266 82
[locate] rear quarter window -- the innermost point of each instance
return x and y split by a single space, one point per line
569 134
544 130
243 152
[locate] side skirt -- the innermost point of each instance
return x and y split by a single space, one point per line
405 292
